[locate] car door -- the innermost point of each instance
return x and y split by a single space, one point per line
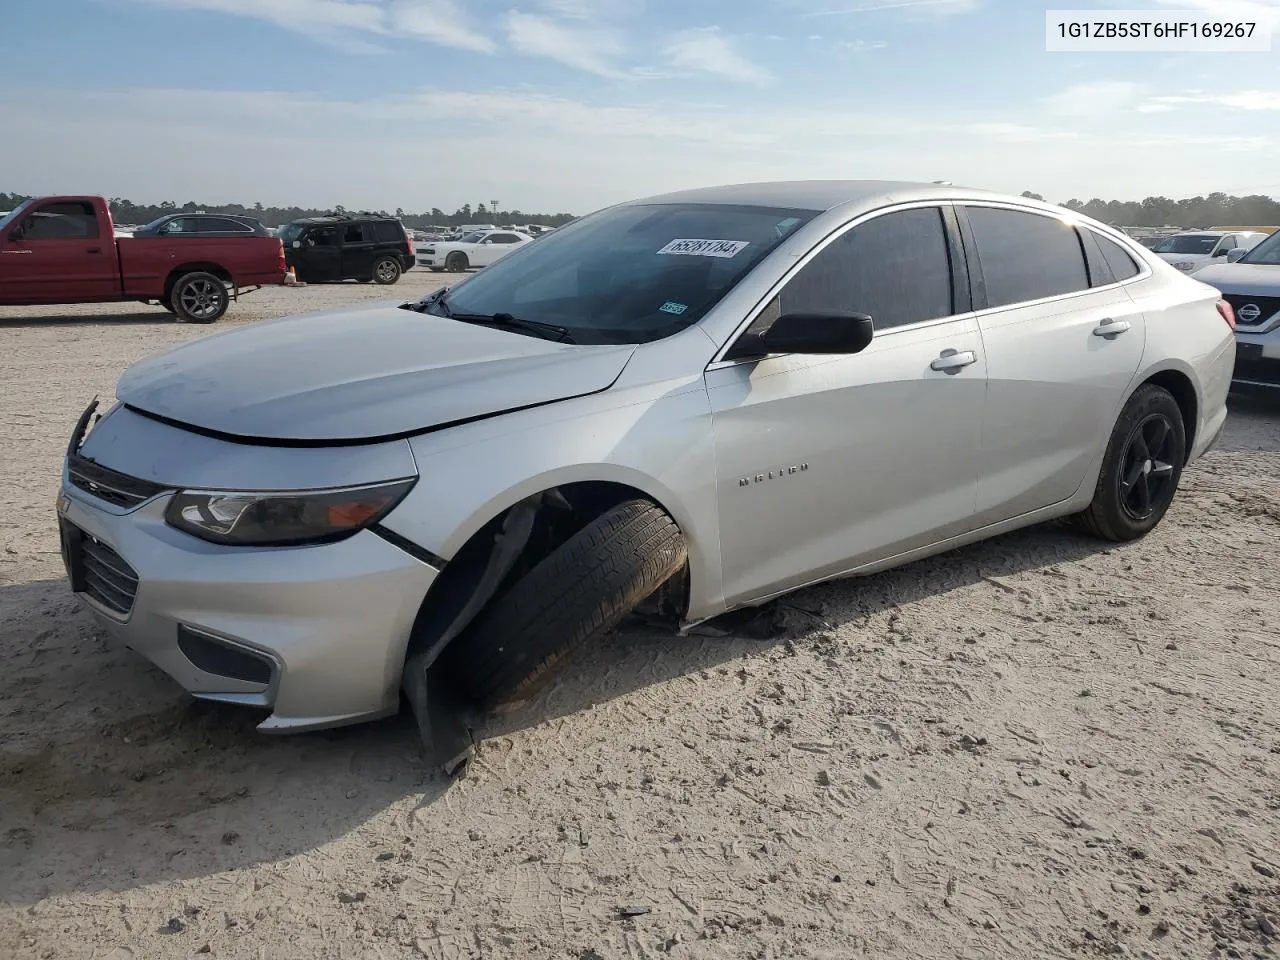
320 259
485 252
827 463
357 250
57 254
1063 344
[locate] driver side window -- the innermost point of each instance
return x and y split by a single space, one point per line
896 268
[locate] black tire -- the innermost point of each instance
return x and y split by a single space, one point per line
1141 468
456 262
199 297
386 270
574 596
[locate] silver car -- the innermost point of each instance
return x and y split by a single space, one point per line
707 399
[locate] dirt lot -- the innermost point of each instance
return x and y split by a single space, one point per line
1037 747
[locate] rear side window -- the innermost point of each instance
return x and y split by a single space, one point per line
1026 256
61 221
221 225
386 231
1121 264
895 268
354 233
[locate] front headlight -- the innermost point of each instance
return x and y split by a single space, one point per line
286 518
1186 266
428 250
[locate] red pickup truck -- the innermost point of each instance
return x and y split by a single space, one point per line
65 250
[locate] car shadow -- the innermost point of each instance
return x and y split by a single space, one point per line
153 316
111 777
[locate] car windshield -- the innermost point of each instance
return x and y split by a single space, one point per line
1267 252
1187 243
470 238
15 213
629 274
291 232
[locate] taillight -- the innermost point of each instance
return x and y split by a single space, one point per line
1227 313
410 239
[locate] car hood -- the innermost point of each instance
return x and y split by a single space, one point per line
360 374
1182 257
1258 279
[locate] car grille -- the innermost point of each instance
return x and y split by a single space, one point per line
1266 305
115 488
108 579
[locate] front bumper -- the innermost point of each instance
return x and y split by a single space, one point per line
328 624
1257 359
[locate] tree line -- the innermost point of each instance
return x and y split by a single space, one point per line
1191 212
126 211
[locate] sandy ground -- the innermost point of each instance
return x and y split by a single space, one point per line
1036 747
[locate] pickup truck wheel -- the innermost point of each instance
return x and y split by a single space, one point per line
386 270
199 298
1141 468
456 262
574 596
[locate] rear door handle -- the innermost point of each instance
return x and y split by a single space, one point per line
1110 328
952 361
94 250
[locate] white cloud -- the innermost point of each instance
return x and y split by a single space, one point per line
707 50
1094 99
343 21
1242 100
592 49
1014 132
941 8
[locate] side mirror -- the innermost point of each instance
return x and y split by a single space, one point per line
811 333
1236 254
1221 252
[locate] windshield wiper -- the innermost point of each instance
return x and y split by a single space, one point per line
548 331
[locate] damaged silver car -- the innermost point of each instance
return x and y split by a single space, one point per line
713 397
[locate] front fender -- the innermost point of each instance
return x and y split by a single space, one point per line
655 438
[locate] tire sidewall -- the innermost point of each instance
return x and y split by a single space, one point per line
377 265
1147 401
175 297
456 262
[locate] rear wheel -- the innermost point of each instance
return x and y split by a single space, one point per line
1141 468
456 262
199 298
574 596
386 270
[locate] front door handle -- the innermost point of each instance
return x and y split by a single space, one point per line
94 250
1110 328
953 361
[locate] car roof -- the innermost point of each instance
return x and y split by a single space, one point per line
822 195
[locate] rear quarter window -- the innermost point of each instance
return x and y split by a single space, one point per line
1121 263
386 231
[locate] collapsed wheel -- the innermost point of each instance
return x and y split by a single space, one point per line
1141 468
386 270
199 298
456 262
572 597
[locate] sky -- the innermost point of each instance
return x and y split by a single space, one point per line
570 105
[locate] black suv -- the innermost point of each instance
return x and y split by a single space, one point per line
349 246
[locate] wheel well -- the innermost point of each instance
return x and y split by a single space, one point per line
176 273
1179 384
560 512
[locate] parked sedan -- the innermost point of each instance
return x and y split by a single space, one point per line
712 397
1189 252
481 248
1252 286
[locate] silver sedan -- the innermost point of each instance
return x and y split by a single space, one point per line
707 399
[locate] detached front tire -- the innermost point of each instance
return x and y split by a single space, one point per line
574 596
199 298
1141 468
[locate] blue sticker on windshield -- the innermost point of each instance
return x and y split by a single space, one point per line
672 307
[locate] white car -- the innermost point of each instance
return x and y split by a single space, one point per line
1193 250
479 249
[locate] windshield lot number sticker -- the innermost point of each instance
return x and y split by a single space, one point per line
706 248
672 307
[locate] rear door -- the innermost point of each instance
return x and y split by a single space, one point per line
357 250
1064 341
827 463
59 253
